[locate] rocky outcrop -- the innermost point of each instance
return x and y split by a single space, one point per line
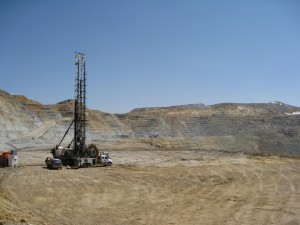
272 128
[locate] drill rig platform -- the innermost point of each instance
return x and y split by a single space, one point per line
80 155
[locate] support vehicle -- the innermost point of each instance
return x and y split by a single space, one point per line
103 159
53 163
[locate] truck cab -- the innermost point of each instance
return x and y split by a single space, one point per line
104 159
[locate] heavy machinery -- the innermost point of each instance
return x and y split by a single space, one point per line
80 155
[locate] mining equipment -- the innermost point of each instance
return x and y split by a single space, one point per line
77 154
9 158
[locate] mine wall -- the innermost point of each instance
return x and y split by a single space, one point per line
266 129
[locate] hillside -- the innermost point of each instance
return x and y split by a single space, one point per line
264 128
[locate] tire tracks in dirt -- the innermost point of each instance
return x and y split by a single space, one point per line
230 190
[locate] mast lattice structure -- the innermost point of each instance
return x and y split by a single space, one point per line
80 105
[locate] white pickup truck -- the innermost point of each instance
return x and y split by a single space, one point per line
103 159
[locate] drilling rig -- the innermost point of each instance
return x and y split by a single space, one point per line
79 155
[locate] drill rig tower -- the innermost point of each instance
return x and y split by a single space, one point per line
79 155
80 107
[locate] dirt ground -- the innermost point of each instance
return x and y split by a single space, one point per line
157 187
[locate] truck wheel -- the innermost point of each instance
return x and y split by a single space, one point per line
109 163
83 165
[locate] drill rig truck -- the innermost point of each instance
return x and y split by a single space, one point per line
79 155
92 157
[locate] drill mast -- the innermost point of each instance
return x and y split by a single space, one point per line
80 106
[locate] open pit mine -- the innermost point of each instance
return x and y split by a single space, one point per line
227 164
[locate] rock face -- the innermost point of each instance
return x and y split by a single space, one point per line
272 128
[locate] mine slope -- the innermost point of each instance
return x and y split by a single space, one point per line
264 128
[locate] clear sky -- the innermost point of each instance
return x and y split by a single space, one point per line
143 53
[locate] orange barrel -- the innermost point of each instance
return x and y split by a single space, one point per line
5 154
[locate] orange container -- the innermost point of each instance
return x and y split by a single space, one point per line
5 154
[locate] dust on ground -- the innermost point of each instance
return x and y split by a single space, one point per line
154 187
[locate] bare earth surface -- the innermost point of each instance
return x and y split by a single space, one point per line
159 187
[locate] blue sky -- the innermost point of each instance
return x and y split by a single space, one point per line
143 53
